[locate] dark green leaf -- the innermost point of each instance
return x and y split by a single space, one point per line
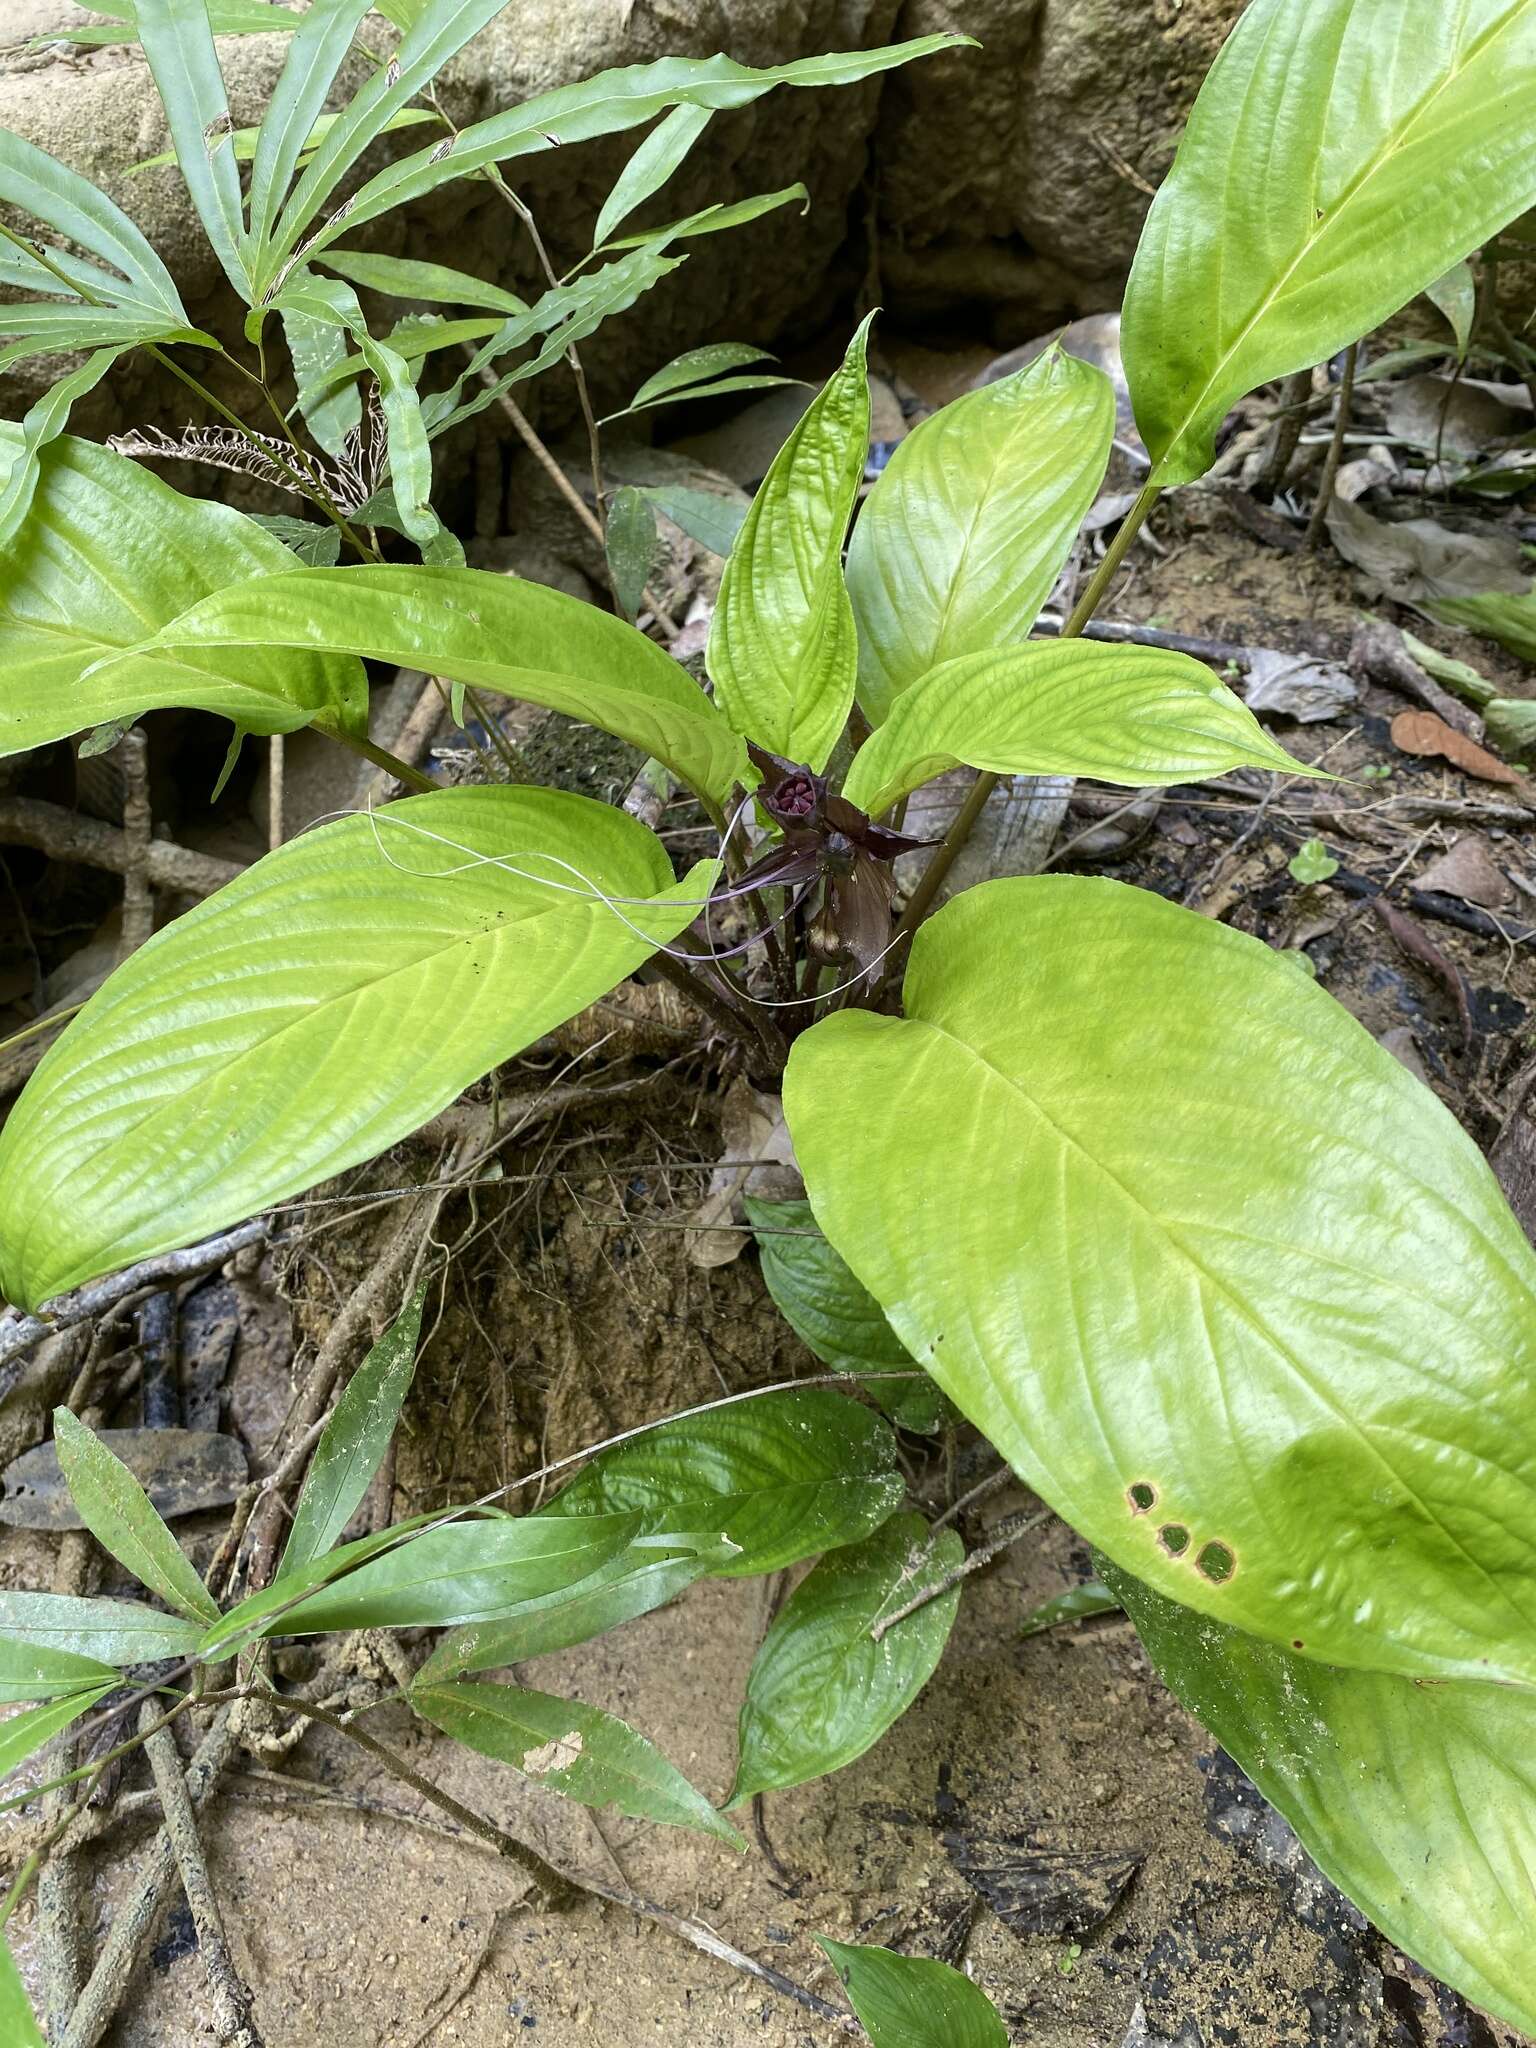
822 1690
261 1613
783 1476
116 1631
24 1733
697 366
33 1671
573 1749
1417 1800
833 1315
909 2002
708 517
319 1008
315 543
631 545
116 1510
353 1442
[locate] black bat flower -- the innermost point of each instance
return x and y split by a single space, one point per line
829 842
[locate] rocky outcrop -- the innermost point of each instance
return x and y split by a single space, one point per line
1014 179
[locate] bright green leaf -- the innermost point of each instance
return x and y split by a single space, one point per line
1140 716
572 1749
783 1476
17 2022
647 1574
476 627
650 167
1151 1280
21 1735
962 538
910 2002
1312 862
1460 676
44 422
822 1690
316 325
697 366
108 555
631 547
115 1631
1340 158
1511 726
1418 1801
782 650
1509 618
834 1315
410 454
244 140
33 1671
399 277
337 994
353 1442
1455 295
464 1571
722 387
116 1510
227 18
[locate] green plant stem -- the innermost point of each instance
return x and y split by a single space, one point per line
744 1024
381 757
922 898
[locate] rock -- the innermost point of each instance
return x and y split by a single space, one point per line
96 110
1017 176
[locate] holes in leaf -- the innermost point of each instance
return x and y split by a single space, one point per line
1142 1497
1216 1563
1174 1538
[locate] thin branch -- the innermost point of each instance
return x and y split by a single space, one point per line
1318 523
1008 1532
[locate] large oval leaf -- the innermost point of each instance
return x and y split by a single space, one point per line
343 990
1135 715
571 1748
1221 1280
960 541
823 1687
108 555
782 649
476 627
1342 155
913 2002
1419 1801
783 1477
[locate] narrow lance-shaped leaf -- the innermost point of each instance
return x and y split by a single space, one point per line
115 1631
225 17
476 627
18 2024
959 543
117 1511
784 1477
39 184
695 367
261 1613
1418 1801
178 42
316 328
910 2002
714 220
606 104
823 1689
1140 716
782 649
315 55
1509 618
573 1749
33 1671
410 454
354 1441
340 992
44 422
109 554
630 537
23 1734
1152 1281
1340 158
650 167
402 277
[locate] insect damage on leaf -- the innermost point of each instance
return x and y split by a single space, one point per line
558 1755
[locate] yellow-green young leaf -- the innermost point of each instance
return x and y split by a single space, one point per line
573 1749
1237 1297
960 541
1418 1801
910 2002
650 167
463 1571
477 627
835 1315
34 1671
1342 155
43 423
116 1631
354 1441
822 1690
401 277
1509 618
17 2022
21 1735
783 1477
340 992
1141 716
108 555
116 1510
782 649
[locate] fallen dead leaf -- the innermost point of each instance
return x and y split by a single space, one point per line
1424 733
1418 945
1469 871
1415 559
757 1158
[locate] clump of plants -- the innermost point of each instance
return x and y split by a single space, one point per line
1222 1282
